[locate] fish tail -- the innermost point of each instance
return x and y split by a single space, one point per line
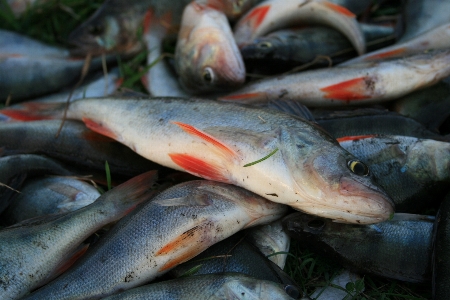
128 195
33 111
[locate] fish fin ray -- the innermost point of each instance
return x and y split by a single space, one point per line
99 128
207 138
33 111
339 9
353 89
199 167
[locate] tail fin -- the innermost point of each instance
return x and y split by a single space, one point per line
32 111
128 195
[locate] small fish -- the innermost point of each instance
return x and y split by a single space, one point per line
271 15
272 241
36 250
49 195
435 39
399 248
75 144
356 84
30 68
175 226
370 121
207 57
114 27
216 140
412 171
14 170
235 254
209 287
282 50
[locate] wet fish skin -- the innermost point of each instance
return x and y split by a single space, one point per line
400 248
217 152
15 168
440 282
33 250
31 68
234 254
175 226
49 195
423 105
75 144
434 39
412 171
212 286
206 56
292 47
423 15
270 239
271 15
356 84
370 121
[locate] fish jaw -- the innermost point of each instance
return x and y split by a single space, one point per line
207 58
324 185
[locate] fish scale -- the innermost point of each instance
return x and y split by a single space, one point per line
175 226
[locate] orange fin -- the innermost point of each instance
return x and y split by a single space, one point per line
340 9
147 20
355 138
93 136
353 89
33 111
66 264
99 128
189 244
244 97
119 82
387 54
256 16
199 167
206 137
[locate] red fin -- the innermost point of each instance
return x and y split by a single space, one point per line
189 243
206 137
249 96
147 20
33 111
119 82
198 167
70 261
387 54
355 137
258 14
353 89
90 135
145 82
99 128
340 9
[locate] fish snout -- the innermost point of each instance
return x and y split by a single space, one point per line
367 202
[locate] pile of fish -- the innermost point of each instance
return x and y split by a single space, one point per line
209 177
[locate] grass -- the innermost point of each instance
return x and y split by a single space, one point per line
52 22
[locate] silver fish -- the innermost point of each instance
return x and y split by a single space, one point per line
175 226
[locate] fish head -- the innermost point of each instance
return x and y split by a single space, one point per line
330 182
259 48
244 287
207 58
96 36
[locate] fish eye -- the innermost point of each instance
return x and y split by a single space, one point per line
96 29
264 45
358 167
208 75
316 224
292 291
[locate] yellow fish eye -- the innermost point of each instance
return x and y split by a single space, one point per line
358 167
